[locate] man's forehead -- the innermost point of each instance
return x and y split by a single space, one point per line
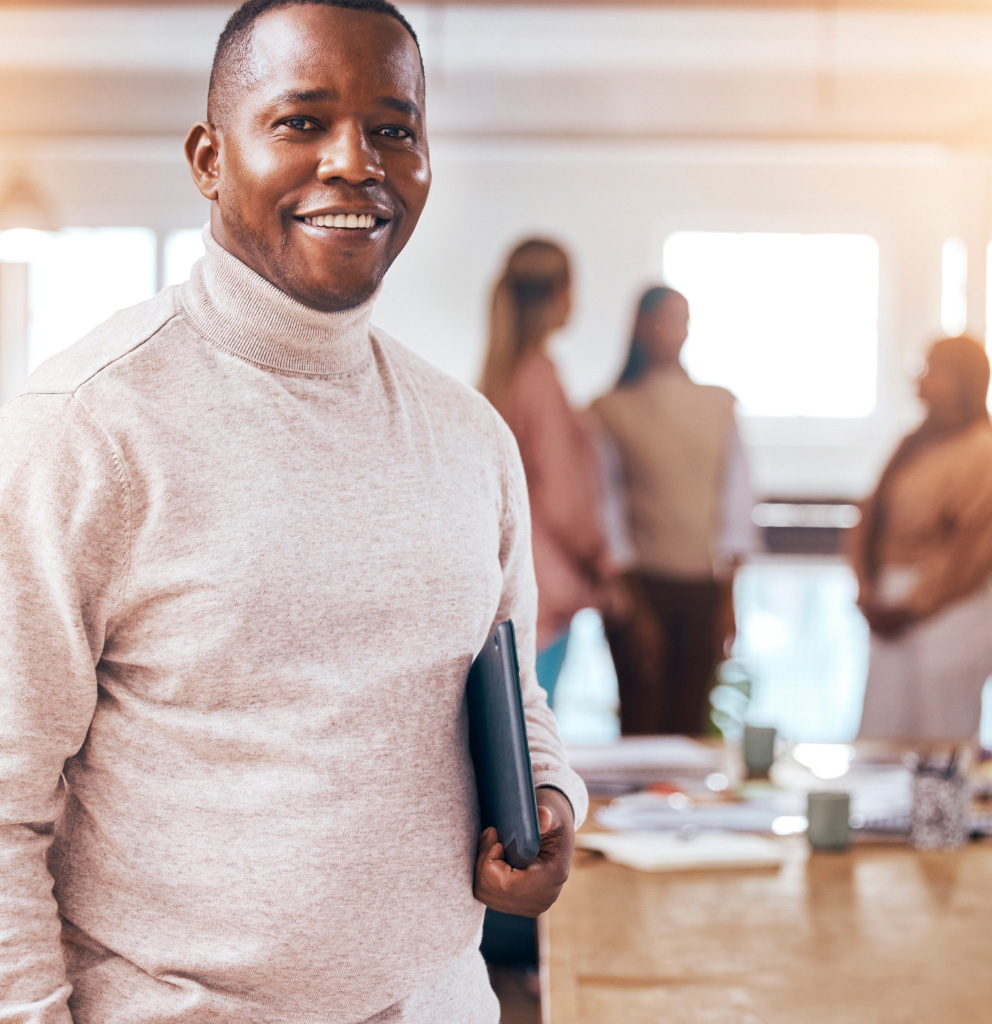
305 41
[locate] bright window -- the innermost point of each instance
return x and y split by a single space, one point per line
954 287
78 277
182 250
788 322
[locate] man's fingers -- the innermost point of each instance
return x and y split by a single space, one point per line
487 841
490 867
544 818
491 858
527 891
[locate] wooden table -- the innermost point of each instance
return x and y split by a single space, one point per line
879 935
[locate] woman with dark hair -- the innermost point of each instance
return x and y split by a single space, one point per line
531 301
923 558
688 515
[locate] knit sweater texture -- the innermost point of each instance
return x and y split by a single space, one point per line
249 551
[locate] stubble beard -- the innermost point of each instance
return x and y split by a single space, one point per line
277 268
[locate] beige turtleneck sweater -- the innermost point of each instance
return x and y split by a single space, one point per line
248 553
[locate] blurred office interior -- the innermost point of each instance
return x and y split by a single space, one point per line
816 179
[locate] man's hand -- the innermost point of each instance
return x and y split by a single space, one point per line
531 890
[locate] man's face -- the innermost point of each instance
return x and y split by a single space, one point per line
329 135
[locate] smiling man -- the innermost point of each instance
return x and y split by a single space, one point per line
251 546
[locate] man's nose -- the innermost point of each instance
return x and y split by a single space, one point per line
349 156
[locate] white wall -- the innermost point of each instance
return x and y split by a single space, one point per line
612 205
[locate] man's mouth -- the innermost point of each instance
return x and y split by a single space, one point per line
348 221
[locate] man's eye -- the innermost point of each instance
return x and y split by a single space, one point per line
302 124
392 131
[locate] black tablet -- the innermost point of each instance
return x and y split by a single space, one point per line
498 741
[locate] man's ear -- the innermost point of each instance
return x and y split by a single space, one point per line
203 157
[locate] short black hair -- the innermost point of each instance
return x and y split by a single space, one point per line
231 56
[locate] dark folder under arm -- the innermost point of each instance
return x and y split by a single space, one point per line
498 741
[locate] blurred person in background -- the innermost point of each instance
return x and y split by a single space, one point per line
531 301
923 558
681 472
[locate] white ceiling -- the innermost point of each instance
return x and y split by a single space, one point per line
513 40
591 71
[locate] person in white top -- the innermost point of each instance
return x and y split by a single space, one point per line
923 557
680 518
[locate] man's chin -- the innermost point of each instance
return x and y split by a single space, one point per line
330 297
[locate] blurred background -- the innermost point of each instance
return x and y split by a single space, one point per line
815 179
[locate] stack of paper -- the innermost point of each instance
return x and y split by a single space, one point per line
648 812
666 851
641 760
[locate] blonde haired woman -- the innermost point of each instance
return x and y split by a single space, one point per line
531 301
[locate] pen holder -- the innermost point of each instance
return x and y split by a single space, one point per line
939 816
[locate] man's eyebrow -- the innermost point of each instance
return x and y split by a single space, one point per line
303 96
401 106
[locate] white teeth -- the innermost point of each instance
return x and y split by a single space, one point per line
343 220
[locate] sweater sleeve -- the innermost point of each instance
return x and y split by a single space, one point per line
63 558
519 603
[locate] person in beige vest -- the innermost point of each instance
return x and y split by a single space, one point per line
682 480
923 558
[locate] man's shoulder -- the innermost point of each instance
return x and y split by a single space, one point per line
106 345
448 397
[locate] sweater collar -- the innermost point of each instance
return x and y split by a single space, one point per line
248 316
